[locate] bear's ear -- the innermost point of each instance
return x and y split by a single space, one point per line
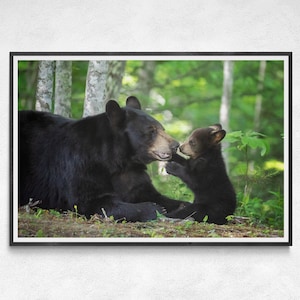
114 113
218 135
216 127
133 102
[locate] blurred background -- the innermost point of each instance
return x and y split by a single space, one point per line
246 97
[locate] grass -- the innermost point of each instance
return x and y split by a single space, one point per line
50 223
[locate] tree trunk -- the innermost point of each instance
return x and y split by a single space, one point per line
63 84
258 102
44 86
258 106
31 80
95 91
114 79
226 101
146 77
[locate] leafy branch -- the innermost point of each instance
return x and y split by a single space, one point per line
245 141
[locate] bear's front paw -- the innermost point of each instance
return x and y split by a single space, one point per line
173 168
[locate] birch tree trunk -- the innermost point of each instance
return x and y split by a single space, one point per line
116 71
226 101
95 90
63 84
44 86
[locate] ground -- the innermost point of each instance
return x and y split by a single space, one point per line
50 223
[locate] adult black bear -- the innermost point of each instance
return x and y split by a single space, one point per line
97 163
205 174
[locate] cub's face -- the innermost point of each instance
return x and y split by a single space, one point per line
201 140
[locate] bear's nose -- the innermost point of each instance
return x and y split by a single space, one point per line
174 146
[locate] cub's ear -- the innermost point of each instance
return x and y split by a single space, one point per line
216 127
114 113
218 135
133 102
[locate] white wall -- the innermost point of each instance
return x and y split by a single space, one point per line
147 272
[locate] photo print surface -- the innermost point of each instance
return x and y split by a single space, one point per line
151 148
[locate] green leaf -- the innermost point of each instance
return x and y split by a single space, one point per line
54 212
40 233
254 133
205 219
234 136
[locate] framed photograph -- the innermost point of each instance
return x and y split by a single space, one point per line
157 148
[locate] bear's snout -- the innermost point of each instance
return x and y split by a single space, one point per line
174 146
163 146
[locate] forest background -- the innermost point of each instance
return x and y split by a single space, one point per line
246 97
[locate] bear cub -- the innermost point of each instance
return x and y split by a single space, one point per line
205 174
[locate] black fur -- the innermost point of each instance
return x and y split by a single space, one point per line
205 174
97 163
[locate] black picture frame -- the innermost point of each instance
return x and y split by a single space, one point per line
285 241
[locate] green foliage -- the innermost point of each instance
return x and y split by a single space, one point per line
184 95
230 218
250 139
39 212
269 212
55 213
172 187
205 219
40 233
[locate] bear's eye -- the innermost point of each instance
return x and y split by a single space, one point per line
192 143
152 131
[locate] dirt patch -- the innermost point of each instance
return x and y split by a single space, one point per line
44 223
